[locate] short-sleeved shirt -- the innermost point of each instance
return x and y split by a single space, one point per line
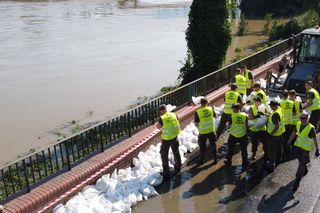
197 119
275 119
312 133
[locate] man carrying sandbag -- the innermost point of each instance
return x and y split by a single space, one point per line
258 131
204 120
170 130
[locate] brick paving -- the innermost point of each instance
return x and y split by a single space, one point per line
60 189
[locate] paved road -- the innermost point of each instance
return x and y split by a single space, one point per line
217 188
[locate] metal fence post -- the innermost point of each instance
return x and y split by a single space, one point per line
26 176
129 124
68 157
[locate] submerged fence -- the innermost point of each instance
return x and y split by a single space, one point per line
20 176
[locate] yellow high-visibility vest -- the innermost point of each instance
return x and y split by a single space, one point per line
254 113
287 107
248 81
241 84
264 96
303 141
296 118
170 126
271 125
231 97
238 127
206 124
316 100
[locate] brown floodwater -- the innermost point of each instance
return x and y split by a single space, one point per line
68 63
81 60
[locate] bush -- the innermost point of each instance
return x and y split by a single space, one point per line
284 31
266 26
243 26
310 19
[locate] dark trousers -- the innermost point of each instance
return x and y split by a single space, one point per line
202 139
164 151
285 137
314 118
274 150
248 91
223 121
256 137
243 145
304 159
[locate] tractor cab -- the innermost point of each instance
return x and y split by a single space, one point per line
305 64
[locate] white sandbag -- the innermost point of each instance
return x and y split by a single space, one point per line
136 162
298 98
98 205
262 120
114 174
196 100
90 192
102 185
154 178
121 207
148 191
191 146
194 139
60 209
183 148
218 110
250 123
261 108
246 108
263 83
78 204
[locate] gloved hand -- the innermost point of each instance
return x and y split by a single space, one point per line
317 153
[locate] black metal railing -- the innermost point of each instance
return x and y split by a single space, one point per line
21 175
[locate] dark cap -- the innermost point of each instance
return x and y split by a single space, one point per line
236 106
273 103
257 98
162 107
203 101
256 84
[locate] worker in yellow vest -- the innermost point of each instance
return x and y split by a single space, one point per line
204 119
231 97
306 137
297 107
249 78
275 130
240 81
170 130
257 134
259 92
313 104
287 107
238 133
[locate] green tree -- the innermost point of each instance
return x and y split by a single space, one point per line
310 19
243 26
266 26
208 38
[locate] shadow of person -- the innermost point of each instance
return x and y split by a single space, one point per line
278 201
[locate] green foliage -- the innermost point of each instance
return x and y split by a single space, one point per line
284 31
243 26
167 89
264 46
266 26
208 38
310 19
237 50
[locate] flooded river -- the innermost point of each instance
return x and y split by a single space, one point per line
79 60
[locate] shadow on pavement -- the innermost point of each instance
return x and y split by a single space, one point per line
278 201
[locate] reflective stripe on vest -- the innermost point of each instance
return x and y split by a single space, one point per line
170 127
264 96
238 127
303 141
231 97
254 113
270 124
287 107
206 124
248 81
296 118
316 100
241 84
